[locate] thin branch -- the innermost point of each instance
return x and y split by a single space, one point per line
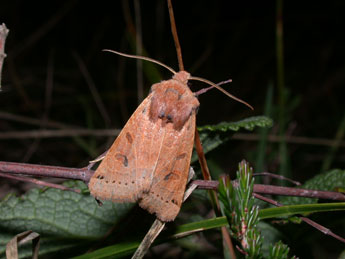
47 105
39 182
58 133
3 35
175 36
33 121
278 190
93 89
310 222
84 174
44 29
291 139
139 47
277 176
77 131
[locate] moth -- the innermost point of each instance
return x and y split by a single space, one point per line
149 161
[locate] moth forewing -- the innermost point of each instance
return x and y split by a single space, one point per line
149 161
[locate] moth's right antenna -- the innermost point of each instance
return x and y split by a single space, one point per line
143 58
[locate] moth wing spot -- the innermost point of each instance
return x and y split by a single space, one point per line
129 137
173 201
181 156
166 178
122 158
171 176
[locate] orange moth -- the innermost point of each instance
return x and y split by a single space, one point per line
149 161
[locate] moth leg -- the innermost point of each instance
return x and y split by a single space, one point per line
191 174
99 158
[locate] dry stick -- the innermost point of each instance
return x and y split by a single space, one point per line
39 182
93 89
158 225
310 222
84 174
138 40
33 121
58 133
47 104
278 190
207 176
44 29
277 176
175 36
68 131
3 35
198 146
290 139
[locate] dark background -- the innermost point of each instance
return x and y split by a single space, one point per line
219 39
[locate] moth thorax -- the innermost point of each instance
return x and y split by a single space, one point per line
182 76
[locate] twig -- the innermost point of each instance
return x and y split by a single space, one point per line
139 47
93 89
3 35
277 176
47 104
291 139
158 225
310 222
39 182
33 121
84 174
73 131
175 36
61 133
44 29
278 190
213 195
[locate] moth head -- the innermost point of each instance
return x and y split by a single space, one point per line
182 76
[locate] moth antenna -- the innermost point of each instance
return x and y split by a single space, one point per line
142 58
220 89
204 90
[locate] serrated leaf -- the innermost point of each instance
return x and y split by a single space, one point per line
57 213
328 181
248 124
212 136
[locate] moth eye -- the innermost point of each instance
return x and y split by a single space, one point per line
161 115
169 117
